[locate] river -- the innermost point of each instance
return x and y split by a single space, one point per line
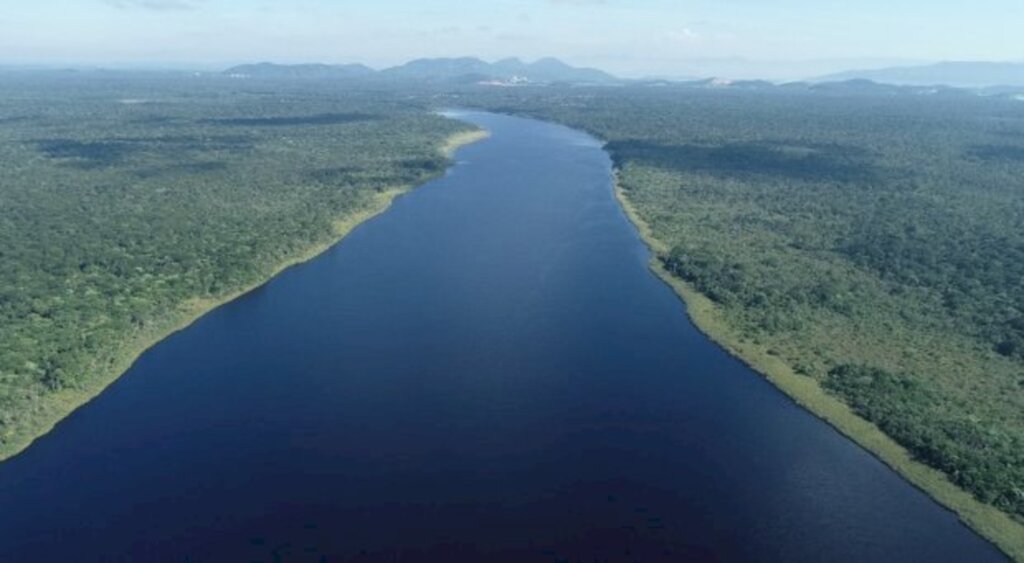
486 372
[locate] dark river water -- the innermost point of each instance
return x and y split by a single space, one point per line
486 372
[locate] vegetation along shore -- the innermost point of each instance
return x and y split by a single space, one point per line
167 207
863 251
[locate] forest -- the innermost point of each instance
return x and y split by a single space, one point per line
127 200
874 243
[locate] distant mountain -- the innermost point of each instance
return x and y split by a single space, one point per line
469 69
857 87
463 70
271 70
554 70
728 83
864 87
854 87
959 74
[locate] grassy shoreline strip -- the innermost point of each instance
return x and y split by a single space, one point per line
459 140
61 404
993 524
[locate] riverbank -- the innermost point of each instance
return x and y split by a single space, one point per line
57 406
993 524
459 140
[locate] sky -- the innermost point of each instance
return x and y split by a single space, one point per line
632 38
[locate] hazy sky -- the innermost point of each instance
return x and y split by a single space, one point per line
774 38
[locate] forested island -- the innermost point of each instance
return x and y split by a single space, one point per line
132 203
860 250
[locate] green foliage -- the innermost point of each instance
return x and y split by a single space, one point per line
842 231
978 455
124 198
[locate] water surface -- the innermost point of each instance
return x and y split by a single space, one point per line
486 372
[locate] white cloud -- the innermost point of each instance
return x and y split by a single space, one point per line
685 35
155 5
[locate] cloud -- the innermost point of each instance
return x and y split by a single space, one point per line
155 5
578 2
685 35
516 37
